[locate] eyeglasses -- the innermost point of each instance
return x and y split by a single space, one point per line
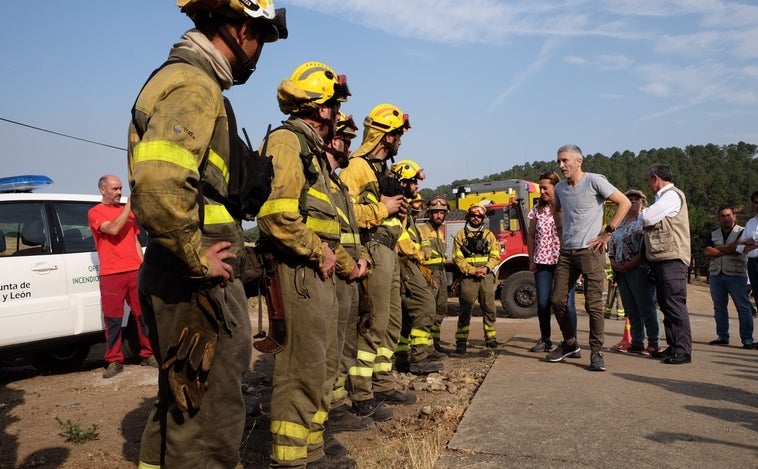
474 215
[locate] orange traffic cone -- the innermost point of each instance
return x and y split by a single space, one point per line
626 339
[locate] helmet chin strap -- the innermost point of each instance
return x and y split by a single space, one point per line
390 149
243 66
339 156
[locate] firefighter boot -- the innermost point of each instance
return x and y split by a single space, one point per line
460 348
395 397
342 419
372 408
440 349
402 364
426 366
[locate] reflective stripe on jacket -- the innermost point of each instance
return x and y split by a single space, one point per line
296 230
468 265
180 123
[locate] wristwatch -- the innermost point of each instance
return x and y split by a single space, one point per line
609 229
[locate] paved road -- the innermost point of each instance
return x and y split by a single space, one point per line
640 413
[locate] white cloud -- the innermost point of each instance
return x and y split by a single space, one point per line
689 45
658 89
575 60
614 62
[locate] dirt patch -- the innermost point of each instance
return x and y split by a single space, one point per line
32 407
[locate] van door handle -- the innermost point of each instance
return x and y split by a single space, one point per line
44 267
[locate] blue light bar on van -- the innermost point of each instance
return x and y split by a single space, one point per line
26 183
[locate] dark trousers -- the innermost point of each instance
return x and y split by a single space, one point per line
671 288
571 264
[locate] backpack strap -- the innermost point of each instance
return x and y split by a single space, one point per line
309 170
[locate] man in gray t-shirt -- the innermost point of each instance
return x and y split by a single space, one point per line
579 203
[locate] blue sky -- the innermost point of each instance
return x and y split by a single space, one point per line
488 84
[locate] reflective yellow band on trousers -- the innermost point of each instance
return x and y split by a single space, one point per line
362 371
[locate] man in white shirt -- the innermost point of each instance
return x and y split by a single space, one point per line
747 244
667 249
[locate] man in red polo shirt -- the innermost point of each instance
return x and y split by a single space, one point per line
115 230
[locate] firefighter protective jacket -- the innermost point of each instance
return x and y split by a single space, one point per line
178 131
300 214
435 239
467 265
364 190
410 244
350 238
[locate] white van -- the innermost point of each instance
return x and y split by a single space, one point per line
49 279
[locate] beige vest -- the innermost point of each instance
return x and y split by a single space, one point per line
670 238
730 264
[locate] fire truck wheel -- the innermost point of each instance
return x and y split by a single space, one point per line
518 295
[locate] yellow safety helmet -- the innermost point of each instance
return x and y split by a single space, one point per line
417 203
346 126
477 209
311 85
438 203
407 169
387 118
257 9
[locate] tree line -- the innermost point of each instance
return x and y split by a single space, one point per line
711 176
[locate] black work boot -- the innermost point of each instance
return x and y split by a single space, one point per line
439 348
402 364
460 348
396 397
426 366
332 447
342 419
333 462
372 408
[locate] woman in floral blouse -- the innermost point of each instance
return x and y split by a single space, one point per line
544 246
637 292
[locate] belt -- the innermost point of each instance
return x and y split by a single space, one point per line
381 238
752 259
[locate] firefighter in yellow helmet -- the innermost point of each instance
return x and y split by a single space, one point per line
181 138
414 350
433 233
476 253
380 208
341 417
416 206
300 226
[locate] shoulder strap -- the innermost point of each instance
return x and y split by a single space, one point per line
309 171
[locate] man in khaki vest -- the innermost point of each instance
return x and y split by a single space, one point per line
667 249
728 278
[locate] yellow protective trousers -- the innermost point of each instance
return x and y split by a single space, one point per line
305 371
212 436
372 371
347 336
483 290
440 298
418 311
